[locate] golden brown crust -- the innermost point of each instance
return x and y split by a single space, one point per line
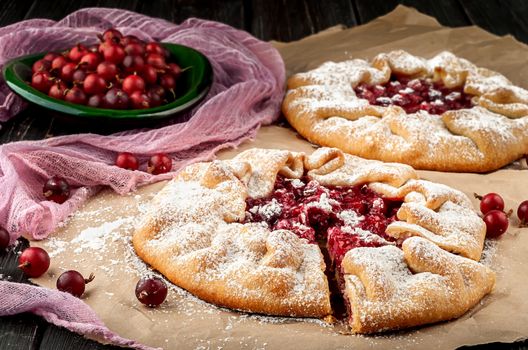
194 237
389 288
323 107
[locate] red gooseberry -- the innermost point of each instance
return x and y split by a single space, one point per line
73 282
159 164
56 189
496 223
94 84
127 160
34 261
151 291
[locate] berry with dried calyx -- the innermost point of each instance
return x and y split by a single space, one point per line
77 52
90 61
116 99
58 90
75 95
490 201
111 34
56 189
42 81
496 223
159 164
41 66
73 282
140 100
151 291
34 261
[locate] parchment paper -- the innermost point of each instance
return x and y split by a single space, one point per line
96 238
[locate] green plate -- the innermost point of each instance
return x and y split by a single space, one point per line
192 86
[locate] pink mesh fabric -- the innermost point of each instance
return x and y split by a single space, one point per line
61 309
246 93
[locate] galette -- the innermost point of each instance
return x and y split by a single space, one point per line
328 234
442 113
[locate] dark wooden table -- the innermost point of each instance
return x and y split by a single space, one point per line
278 20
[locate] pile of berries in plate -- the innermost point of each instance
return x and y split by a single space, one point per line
120 72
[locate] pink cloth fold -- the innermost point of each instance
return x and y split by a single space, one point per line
246 93
247 90
61 309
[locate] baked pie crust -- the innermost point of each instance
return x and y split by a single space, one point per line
325 106
197 235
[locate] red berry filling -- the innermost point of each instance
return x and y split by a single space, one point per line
414 95
344 217
338 218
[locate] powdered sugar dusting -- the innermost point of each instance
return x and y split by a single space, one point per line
452 141
350 217
94 238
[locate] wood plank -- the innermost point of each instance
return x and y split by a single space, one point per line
9 270
293 20
60 338
499 17
57 9
231 12
13 11
31 124
20 332
367 10
447 12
